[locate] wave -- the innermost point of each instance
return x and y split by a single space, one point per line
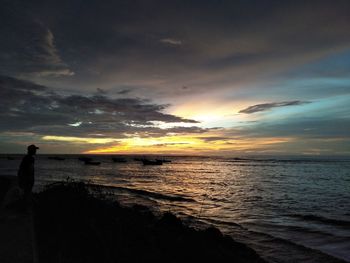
148 193
288 160
292 228
216 221
317 218
308 254
274 244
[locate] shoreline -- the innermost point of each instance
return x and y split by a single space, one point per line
87 227
76 222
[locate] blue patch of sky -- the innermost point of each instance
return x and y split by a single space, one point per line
312 88
326 108
328 75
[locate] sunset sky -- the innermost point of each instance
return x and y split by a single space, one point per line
175 77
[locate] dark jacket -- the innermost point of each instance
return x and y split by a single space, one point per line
26 172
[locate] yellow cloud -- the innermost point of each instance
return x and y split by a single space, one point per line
184 144
79 139
188 144
148 145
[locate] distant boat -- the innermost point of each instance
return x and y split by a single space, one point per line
242 159
151 162
164 160
119 160
57 158
92 163
84 159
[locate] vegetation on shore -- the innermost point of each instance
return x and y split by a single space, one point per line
74 222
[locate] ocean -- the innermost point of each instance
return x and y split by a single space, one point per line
288 210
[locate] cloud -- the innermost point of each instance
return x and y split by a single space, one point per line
268 106
28 107
80 140
171 41
124 91
214 138
100 91
29 46
170 144
224 46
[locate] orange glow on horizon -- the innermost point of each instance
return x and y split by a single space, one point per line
186 145
181 144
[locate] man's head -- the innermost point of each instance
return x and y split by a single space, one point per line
32 149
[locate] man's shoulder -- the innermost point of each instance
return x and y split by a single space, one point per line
28 158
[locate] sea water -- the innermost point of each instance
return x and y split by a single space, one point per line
288 210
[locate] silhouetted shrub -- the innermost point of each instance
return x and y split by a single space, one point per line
76 222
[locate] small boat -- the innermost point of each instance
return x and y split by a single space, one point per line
151 162
92 162
240 159
118 160
164 160
84 159
57 158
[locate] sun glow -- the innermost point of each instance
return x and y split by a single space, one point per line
144 145
210 141
211 113
187 144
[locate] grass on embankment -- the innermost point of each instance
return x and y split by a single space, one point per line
75 225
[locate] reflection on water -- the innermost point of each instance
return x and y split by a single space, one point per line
281 208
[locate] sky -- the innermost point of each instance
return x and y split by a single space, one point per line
175 77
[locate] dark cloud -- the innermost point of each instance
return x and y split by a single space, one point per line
164 42
27 45
28 107
124 91
267 106
214 138
100 91
171 41
170 144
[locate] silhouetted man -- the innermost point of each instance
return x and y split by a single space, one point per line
26 172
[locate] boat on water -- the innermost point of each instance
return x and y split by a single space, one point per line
90 162
152 162
164 160
119 160
84 159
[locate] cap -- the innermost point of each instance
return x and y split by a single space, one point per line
32 146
